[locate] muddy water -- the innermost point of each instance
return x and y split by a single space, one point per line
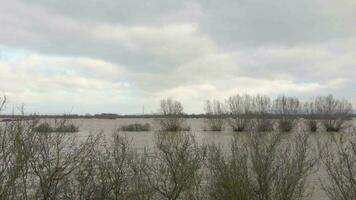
142 140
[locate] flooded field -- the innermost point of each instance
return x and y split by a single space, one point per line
140 140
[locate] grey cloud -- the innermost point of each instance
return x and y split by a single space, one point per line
279 22
188 49
112 11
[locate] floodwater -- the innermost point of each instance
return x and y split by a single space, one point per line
141 140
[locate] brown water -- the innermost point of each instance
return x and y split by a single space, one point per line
142 140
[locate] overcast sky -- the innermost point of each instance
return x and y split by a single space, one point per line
91 56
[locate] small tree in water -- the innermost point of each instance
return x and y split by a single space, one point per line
336 112
214 111
261 108
171 118
286 108
239 107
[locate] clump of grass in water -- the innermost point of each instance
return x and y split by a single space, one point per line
61 127
44 127
136 127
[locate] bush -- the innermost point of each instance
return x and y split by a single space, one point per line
339 160
44 127
267 168
61 126
66 128
313 125
136 127
174 170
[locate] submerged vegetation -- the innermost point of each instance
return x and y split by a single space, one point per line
59 126
136 127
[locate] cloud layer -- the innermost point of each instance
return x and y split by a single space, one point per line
115 56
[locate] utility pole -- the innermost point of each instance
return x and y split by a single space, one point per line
143 109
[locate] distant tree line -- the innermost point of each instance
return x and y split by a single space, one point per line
245 106
260 112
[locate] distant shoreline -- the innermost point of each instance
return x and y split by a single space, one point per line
116 116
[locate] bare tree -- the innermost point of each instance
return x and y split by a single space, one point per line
214 111
239 107
287 109
171 112
174 170
262 108
336 112
52 158
141 188
10 166
114 169
229 175
340 163
265 168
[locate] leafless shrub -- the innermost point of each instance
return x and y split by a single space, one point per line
286 109
239 107
171 112
337 112
140 185
340 163
229 176
174 170
10 166
261 108
13 158
214 111
52 158
268 168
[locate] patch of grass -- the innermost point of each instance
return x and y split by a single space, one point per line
62 127
136 127
44 127
66 128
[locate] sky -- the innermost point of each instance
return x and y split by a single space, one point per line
114 56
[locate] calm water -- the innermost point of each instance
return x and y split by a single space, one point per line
141 140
